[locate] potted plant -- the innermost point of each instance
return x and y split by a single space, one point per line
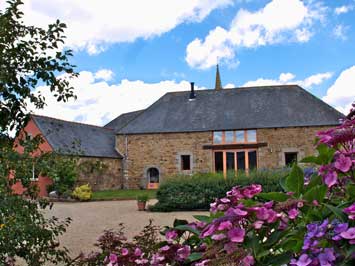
141 201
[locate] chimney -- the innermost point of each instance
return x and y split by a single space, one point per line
192 93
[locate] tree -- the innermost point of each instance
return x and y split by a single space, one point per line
30 56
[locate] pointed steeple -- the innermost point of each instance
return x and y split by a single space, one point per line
218 85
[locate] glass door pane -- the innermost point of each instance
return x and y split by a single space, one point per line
230 161
241 160
252 160
218 161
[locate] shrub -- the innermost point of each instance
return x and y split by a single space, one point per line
143 198
82 193
196 192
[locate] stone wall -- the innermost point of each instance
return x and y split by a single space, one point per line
164 151
281 140
100 173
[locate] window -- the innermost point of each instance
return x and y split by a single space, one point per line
290 158
217 137
218 161
153 175
185 162
229 136
241 160
253 164
240 136
251 135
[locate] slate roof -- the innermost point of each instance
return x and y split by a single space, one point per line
122 120
238 108
73 138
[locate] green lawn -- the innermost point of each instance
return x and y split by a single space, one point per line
122 194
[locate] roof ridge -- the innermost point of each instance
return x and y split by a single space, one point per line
234 88
73 122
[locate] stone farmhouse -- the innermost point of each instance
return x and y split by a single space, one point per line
215 130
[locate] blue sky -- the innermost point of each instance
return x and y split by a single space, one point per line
131 53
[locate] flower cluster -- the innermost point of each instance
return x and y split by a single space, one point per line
322 241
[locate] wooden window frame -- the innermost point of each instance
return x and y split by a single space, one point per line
246 152
235 137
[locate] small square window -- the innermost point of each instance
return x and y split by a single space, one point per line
229 136
185 162
240 135
217 137
251 135
290 158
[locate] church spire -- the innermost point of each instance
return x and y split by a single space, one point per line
218 85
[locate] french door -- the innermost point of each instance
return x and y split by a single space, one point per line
235 160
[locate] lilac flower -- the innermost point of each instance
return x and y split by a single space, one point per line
236 235
164 248
183 253
350 211
348 234
304 260
252 190
327 257
343 163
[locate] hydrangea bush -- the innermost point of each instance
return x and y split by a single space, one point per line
311 223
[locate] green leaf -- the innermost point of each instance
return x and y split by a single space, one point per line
276 196
195 256
315 180
350 191
316 193
178 222
295 181
337 212
203 218
311 159
282 259
187 228
326 154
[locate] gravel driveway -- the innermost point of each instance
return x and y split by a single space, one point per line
91 218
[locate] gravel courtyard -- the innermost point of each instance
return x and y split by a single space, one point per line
91 218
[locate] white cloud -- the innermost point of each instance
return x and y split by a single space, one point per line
229 86
95 24
99 102
289 78
340 31
104 74
343 9
277 22
342 93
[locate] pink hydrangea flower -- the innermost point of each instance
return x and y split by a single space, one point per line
226 225
171 235
330 178
350 211
218 237
236 235
183 253
113 258
293 213
248 261
124 252
343 163
138 252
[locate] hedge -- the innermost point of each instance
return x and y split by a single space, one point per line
196 192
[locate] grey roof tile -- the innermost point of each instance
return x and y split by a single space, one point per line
73 138
122 120
238 108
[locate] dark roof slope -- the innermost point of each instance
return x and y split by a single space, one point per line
122 120
77 138
239 108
